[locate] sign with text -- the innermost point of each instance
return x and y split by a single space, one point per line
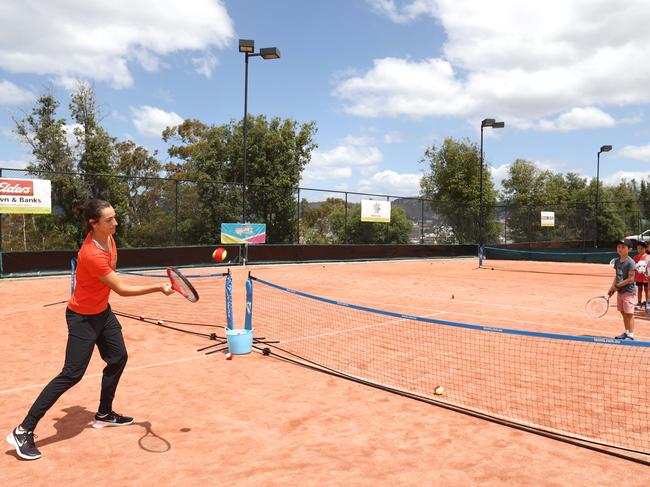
25 195
548 218
249 233
375 211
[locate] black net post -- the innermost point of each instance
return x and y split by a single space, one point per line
345 220
298 220
176 213
421 221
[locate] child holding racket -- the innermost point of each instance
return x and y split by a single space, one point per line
640 276
624 284
90 322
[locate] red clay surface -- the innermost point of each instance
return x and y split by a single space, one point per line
202 420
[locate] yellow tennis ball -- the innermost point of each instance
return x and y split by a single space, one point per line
439 391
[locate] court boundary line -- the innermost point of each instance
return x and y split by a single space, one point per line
99 374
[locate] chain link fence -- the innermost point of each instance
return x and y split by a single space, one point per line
164 212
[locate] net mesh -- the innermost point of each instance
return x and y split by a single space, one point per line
547 261
549 255
587 388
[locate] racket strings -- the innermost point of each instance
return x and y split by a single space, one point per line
183 286
597 307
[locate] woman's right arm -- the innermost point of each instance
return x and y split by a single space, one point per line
113 281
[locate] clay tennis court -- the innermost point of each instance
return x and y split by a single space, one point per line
257 420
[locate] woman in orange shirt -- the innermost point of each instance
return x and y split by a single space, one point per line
90 322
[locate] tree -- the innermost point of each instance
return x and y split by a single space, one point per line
452 183
45 134
357 232
149 220
90 168
278 150
95 152
316 221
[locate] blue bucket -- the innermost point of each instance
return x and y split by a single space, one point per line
240 341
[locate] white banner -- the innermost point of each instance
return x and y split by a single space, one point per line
375 211
548 218
25 195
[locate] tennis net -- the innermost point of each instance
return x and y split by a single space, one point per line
546 260
590 389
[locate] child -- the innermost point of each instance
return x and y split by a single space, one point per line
640 276
624 284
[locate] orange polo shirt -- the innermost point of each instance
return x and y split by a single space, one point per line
90 295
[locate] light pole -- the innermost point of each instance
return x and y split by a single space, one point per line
247 46
488 122
605 148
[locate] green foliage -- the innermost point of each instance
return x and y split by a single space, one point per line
452 182
326 223
317 225
278 151
529 190
90 168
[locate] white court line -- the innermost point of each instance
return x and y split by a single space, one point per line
140 367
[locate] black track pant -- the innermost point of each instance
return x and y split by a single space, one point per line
84 331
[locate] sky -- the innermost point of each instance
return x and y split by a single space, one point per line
382 79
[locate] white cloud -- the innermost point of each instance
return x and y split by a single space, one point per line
97 42
69 83
393 183
338 163
410 11
10 94
578 118
151 121
393 138
637 152
13 164
616 178
518 61
313 174
205 65
361 140
350 155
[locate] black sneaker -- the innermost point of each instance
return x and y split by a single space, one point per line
624 336
111 419
24 444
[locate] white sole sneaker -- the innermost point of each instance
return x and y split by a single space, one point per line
12 441
97 424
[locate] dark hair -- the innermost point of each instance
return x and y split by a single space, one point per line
91 209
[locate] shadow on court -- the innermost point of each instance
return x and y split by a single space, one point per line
77 419
150 441
72 423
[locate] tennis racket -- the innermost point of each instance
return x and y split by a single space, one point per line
182 285
597 307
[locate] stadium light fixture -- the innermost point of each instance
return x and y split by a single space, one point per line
488 122
247 46
604 148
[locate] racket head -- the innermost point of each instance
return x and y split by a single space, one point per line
597 307
182 285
